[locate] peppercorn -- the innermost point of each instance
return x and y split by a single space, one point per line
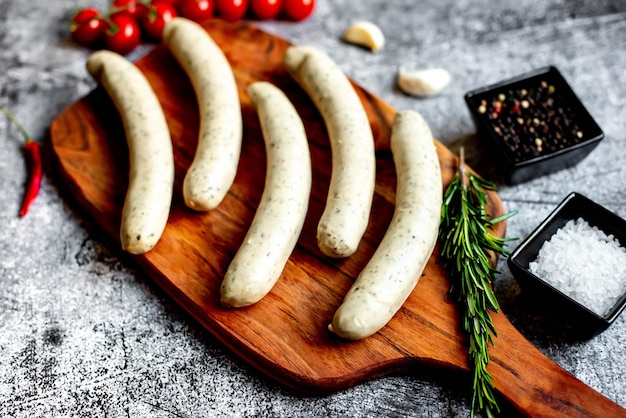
532 121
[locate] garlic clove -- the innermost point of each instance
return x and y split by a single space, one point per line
365 34
423 82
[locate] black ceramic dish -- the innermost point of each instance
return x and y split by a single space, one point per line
534 123
585 321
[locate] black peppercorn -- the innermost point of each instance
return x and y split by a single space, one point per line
532 121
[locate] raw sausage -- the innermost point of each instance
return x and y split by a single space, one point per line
214 166
280 215
149 196
351 189
393 271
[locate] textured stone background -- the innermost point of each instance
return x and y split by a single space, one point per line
83 332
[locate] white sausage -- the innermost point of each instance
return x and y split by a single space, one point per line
280 215
351 189
214 167
393 271
149 196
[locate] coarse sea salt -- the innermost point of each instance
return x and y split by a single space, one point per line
584 263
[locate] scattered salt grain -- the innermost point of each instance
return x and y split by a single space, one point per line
584 263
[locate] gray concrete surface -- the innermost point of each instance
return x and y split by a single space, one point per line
83 332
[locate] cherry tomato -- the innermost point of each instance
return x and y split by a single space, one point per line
85 15
231 10
87 27
157 15
266 9
197 10
123 34
298 9
125 7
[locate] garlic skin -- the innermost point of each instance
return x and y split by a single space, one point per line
423 83
365 34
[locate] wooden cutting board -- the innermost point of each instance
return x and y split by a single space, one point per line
285 334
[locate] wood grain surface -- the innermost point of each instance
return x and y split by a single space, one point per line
285 334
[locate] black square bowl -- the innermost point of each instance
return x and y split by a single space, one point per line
582 319
534 124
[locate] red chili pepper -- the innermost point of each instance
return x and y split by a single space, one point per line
33 160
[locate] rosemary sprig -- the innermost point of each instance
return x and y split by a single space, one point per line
467 248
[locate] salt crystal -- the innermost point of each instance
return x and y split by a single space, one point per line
585 264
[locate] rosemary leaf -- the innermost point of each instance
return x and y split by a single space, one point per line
466 254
